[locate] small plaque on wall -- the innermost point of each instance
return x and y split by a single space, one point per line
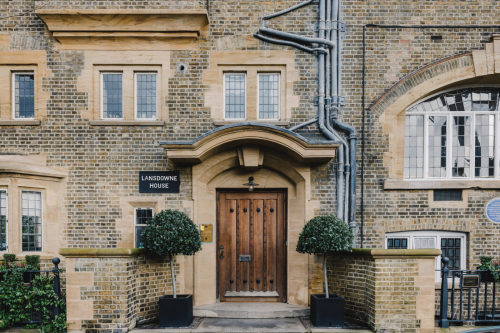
493 210
206 232
159 181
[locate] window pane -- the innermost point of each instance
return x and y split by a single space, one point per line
450 247
3 220
484 138
234 95
414 147
461 146
437 146
24 95
146 95
269 94
112 95
397 243
31 213
425 243
142 218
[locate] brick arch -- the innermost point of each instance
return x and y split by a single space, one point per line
389 109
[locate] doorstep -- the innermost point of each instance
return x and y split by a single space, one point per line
242 325
255 310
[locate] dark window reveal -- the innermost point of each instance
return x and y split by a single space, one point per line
447 195
397 243
450 247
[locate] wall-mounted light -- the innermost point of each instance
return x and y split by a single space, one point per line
250 184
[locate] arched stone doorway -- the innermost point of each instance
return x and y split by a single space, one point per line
279 161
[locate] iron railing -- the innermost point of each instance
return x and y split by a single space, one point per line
468 296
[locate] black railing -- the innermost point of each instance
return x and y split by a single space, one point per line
28 276
468 296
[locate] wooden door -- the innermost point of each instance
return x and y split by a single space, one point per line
251 246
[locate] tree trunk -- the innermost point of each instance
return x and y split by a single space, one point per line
173 276
325 276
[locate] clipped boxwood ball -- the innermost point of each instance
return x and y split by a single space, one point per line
169 233
324 234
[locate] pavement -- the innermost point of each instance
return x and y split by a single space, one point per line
241 325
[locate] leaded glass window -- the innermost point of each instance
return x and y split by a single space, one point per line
452 135
24 95
450 247
269 95
112 95
234 95
31 214
145 95
3 220
142 218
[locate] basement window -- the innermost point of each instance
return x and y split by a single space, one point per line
447 195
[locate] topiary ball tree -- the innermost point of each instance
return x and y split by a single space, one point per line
169 233
322 235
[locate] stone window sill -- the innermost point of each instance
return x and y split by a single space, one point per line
18 122
127 123
398 184
222 122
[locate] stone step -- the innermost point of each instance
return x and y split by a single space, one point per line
257 310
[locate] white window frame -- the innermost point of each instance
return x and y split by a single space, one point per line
140 225
412 235
102 94
449 137
13 98
224 96
258 95
21 219
136 95
6 220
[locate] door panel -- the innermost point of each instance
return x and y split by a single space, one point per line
251 244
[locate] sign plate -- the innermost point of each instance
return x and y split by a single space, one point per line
159 181
245 258
470 281
206 231
493 210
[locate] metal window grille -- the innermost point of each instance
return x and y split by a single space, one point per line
269 95
112 95
234 95
3 220
146 95
24 95
450 247
459 134
142 218
448 195
31 213
397 243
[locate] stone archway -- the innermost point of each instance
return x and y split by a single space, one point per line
224 159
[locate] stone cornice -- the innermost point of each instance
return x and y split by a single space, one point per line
98 253
245 134
126 29
396 253
19 167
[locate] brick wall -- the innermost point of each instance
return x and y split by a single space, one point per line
386 290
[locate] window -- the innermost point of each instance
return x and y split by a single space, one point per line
145 95
452 135
3 220
447 195
142 217
112 95
235 95
451 244
23 95
269 95
31 216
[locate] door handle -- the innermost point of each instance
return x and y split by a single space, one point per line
221 252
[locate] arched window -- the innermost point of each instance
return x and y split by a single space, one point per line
453 135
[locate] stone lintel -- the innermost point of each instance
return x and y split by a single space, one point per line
97 253
397 184
395 253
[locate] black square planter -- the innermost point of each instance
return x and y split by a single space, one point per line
175 312
327 312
